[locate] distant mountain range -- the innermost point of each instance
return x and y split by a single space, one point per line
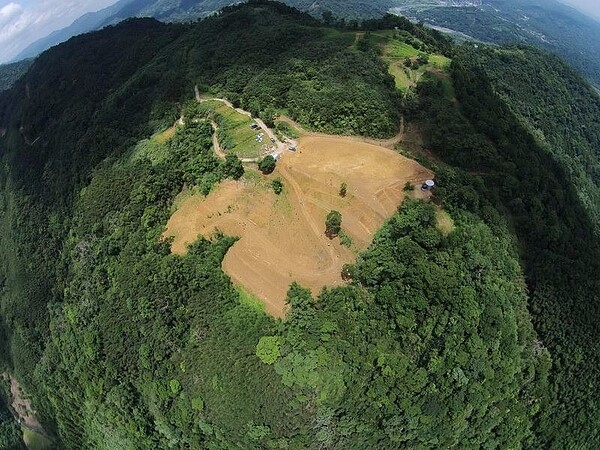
547 24
189 10
164 10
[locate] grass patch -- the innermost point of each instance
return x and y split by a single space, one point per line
165 136
235 134
254 178
397 49
444 222
401 76
284 204
440 62
285 130
250 300
151 150
35 441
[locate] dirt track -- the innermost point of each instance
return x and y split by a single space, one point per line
282 237
388 143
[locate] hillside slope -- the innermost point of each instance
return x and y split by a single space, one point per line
494 135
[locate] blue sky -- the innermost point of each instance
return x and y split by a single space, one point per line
25 21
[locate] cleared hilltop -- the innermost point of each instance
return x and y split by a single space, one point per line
465 317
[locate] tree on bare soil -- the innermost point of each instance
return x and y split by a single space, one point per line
333 224
277 186
267 164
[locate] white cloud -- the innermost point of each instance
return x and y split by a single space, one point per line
8 13
25 22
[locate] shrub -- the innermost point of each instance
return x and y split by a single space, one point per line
277 186
333 224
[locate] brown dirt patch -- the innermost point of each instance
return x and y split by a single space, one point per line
282 237
21 405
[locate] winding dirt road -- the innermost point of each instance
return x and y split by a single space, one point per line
388 143
281 147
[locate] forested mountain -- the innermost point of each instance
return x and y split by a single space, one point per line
547 24
186 10
483 336
9 73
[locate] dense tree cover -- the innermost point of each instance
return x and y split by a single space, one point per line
558 106
351 10
430 347
94 98
98 94
294 66
9 73
513 172
148 349
11 437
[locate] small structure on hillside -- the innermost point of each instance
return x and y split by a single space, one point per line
428 185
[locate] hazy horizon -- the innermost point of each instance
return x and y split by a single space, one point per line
23 22
592 7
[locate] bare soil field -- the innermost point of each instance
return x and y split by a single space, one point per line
282 238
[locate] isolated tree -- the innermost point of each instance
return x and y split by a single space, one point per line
343 189
232 167
267 164
333 224
277 186
253 107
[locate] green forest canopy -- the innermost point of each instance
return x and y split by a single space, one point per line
123 345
